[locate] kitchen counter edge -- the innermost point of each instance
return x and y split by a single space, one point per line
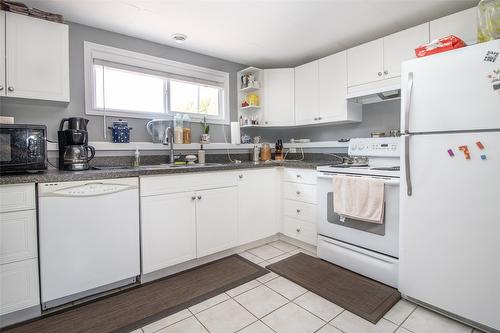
54 175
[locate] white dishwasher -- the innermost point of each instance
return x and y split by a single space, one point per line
89 238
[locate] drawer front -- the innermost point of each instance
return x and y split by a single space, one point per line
17 197
300 192
19 286
300 210
176 183
300 176
303 231
17 236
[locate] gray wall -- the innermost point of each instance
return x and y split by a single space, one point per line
382 116
40 112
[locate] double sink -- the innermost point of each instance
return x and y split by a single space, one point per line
157 166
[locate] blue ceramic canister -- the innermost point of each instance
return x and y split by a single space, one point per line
120 131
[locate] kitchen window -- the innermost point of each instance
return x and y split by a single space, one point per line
128 84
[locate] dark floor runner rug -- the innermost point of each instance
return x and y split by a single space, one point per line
139 306
360 295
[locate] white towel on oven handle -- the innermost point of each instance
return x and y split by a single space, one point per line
359 198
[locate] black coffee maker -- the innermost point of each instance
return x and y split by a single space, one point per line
74 151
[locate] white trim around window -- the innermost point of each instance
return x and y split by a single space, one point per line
150 65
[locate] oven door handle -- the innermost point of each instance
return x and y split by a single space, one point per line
388 181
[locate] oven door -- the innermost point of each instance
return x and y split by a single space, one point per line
22 147
381 238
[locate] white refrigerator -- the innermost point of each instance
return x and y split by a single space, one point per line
450 183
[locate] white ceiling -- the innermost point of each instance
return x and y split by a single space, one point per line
262 33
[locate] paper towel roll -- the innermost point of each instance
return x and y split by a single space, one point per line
235 133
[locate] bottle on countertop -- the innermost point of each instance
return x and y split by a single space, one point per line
256 153
201 155
137 158
186 129
178 128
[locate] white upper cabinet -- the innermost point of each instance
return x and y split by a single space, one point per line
381 59
279 97
306 93
333 106
365 63
401 46
37 59
462 24
2 53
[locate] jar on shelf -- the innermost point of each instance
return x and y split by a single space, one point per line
252 99
186 129
178 129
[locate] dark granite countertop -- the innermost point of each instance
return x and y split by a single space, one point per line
54 175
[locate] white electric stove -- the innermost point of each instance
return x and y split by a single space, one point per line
366 248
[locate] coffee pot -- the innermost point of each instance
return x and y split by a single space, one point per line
77 157
74 151
74 123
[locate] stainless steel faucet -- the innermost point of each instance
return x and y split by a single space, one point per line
169 139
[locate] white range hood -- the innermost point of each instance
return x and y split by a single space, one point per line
375 92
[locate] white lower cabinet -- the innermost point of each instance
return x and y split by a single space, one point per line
299 205
257 202
216 220
168 225
19 286
180 225
18 236
305 232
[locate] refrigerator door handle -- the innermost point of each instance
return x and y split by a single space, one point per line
407 165
408 102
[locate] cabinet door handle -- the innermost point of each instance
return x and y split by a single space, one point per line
315 118
1 88
298 176
11 89
199 197
193 197
298 192
319 118
379 73
240 176
298 230
386 72
298 211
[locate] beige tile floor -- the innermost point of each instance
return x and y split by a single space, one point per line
274 304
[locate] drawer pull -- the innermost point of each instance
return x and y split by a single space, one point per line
193 197
298 211
298 230
298 176
298 192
